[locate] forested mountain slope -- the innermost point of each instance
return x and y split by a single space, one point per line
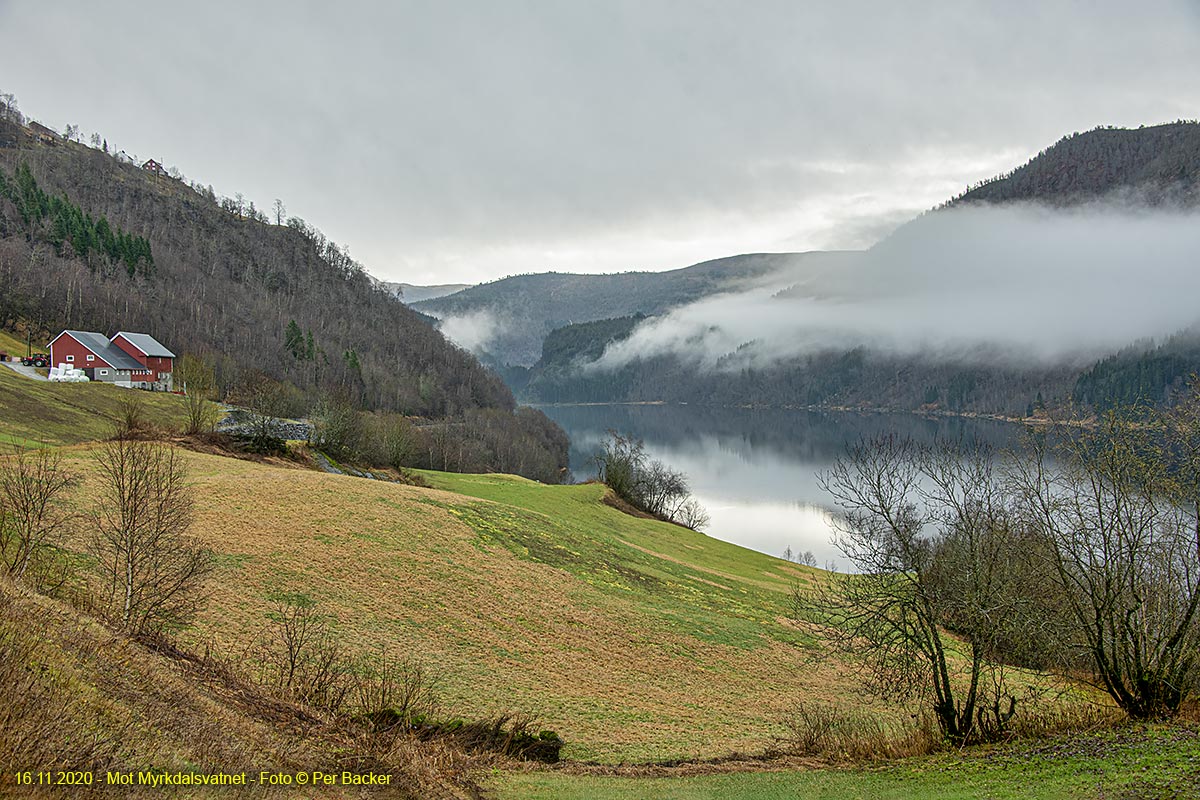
219 281
1143 373
856 378
1158 164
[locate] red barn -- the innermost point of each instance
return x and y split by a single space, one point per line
134 360
157 360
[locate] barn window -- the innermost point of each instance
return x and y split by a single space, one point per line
103 372
91 358
70 358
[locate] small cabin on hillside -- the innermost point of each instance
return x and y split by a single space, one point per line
154 167
43 134
132 360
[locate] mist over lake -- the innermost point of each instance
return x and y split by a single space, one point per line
756 470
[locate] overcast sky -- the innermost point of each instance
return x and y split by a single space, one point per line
463 141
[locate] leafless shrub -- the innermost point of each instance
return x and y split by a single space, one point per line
393 692
300 654
131 418
197 378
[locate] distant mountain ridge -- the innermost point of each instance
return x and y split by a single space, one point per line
413 293
1155 166
523 309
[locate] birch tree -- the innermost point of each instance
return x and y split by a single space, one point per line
153 570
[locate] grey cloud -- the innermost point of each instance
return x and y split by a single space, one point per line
464 140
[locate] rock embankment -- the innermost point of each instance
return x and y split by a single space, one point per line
238 422
241 423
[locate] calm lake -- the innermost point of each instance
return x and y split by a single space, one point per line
755 470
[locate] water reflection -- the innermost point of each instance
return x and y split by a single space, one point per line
755 470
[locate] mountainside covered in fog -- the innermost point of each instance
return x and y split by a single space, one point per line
507 319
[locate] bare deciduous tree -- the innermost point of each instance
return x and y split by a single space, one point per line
265 401
691 514
337 426
1118 509
31 517
927 531
399 441
153 571
197 378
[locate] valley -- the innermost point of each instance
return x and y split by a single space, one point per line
867 501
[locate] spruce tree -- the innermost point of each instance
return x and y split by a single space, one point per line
293 340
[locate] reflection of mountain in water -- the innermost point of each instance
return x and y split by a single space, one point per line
756 470
805 437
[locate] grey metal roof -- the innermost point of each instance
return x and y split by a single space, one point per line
99 344
146 343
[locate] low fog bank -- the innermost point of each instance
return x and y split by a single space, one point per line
973 283
472 331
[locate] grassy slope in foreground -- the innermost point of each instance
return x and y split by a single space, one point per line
107 700
1129 762
634 639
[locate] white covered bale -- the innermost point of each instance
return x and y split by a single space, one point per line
65 373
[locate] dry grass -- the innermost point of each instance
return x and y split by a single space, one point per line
693 665
76 696
855 734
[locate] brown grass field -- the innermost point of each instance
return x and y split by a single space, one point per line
634 639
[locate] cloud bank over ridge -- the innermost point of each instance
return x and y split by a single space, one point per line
969 283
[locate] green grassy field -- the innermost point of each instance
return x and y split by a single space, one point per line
632 638
1130 762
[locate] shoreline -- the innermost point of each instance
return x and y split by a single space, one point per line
1033 422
